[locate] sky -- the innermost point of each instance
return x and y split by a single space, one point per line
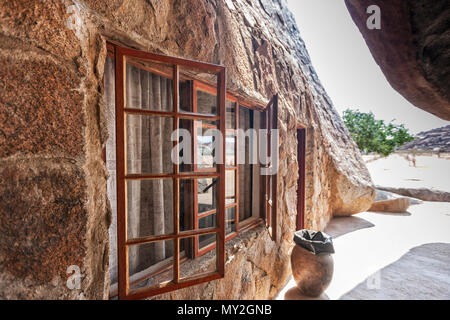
347 69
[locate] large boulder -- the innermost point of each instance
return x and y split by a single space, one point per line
389 202
411 48
437 139
351 195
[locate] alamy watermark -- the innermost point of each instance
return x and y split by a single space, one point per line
374 20
373 282
263 146
73 21
74 280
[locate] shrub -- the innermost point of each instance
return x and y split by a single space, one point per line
373 135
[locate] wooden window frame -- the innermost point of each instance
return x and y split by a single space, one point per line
270 113
234 168
199 251
120 54
229 97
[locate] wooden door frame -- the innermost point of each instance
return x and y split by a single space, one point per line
301 157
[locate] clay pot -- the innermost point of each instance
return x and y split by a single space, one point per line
312 273
312 270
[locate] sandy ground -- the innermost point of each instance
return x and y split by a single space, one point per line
391 256
400 171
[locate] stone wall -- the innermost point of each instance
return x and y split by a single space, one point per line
53 206
52 195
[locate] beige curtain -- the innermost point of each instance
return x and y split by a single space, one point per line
148 148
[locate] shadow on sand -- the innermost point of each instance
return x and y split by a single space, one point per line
422 273
343 225
400 214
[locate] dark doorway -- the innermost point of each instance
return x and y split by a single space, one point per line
301 156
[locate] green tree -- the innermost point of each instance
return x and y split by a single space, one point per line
373 135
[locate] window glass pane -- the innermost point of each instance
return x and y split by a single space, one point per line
186 95
230 115
205 145
245 192
230 151
207 194
149 207
256 173
151 264
230 187
206 240
203 264
187 194
245 123
244 118
148 144
207 222
206 201
245 169
148 85
206 103
202 149
230 220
